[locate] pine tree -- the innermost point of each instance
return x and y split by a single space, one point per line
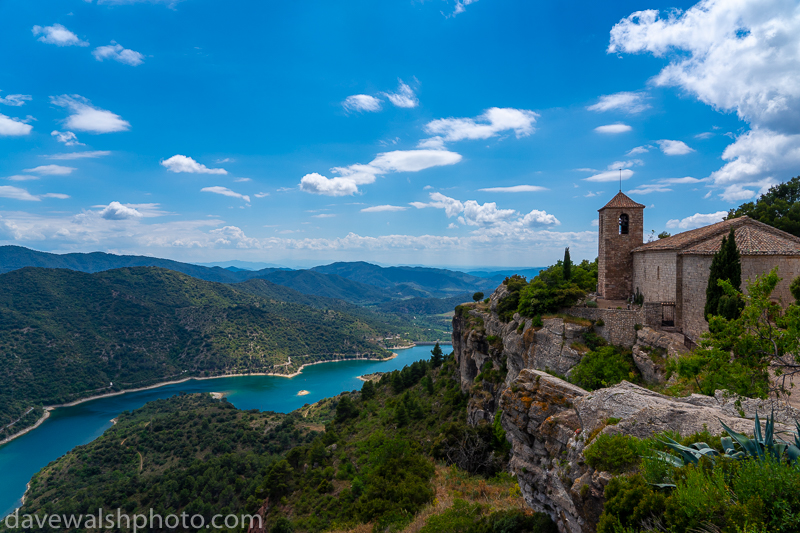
367 390
437 356
401 415
567 265
726 265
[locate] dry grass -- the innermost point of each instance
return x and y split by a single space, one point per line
570 319
450 484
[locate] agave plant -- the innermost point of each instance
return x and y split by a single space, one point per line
759 448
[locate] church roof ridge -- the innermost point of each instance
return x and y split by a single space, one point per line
752 238
620 200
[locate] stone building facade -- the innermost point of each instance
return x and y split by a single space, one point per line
621 229
674 271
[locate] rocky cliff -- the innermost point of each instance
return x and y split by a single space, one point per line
549 421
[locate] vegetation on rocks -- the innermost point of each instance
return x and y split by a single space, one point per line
779 207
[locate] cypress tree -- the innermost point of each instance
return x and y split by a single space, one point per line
726 265
437 356
567 265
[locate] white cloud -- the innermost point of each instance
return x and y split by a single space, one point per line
404 97
15 100
57 35
362 103
613 128
679 181
461 6
86 117
261 194
674 147
117 211
595 223
639 150
66 137
118 53
15 193
13 127
20 177
585 169
616 165
52 170
492 122
741 56
388 162
649 188
471 213
80 155
516 188
697 220
704 135
242 180
182 163
610 175
224 191
315 183
55 195
382 208
627 102
323 215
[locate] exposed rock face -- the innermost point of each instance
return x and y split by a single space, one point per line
652 351
548 420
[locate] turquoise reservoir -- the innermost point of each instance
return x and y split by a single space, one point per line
68 427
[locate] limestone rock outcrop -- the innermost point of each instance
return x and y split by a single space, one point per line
548 421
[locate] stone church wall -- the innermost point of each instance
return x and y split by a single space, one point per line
694 275
788 269
654 275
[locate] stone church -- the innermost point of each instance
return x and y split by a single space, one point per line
674 271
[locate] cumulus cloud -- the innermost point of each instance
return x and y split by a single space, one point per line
611 175
613 128
181 163
616 165
388 162
93 154
461 6
15 100
627 102
52 170
382 208
118 53
516 188
13 127
21 177
224 191
261 194
471 213
57 35
697 220
491 123
15 193
677 181
674 147
639 150
118 211
404 97
55 195
66 137
86 117
362 103
734 56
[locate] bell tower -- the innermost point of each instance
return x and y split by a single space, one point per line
621 230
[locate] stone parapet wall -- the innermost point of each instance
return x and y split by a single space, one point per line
618 324
694 280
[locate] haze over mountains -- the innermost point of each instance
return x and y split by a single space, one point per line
358 282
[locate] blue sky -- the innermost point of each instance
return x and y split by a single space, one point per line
401 132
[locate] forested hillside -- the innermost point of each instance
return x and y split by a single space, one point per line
66 335
398 455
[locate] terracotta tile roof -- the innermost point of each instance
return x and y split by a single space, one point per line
620 200
752 238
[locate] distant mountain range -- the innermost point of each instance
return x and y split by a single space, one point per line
358 282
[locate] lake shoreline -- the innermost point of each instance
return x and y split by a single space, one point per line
49 408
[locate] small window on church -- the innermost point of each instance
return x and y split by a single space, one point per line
658 272
623 224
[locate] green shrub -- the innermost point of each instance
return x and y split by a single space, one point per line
465 518
629 500
591 303
614 453
600 323
604 367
